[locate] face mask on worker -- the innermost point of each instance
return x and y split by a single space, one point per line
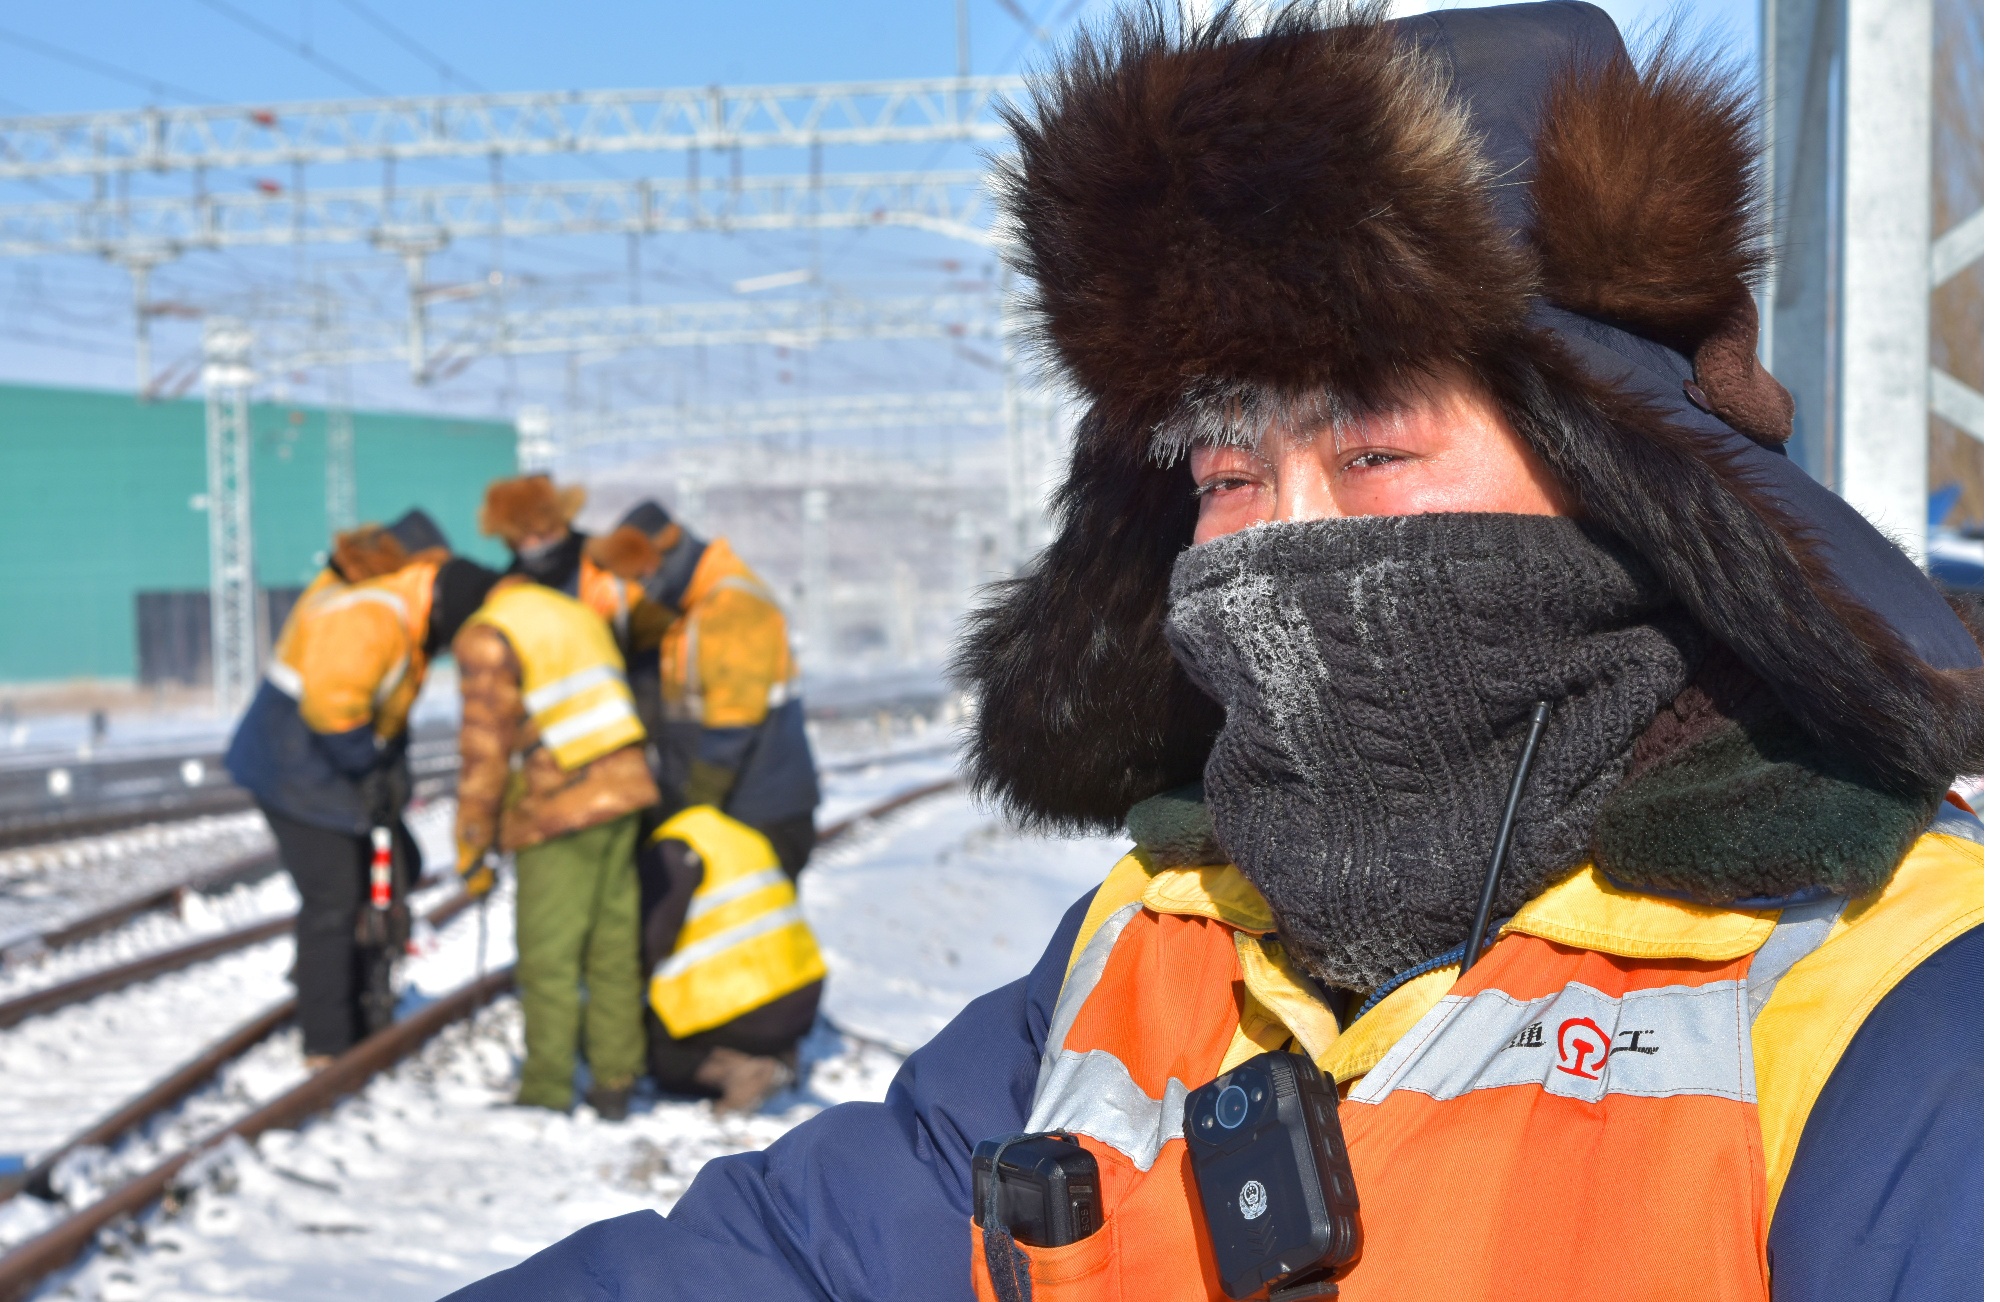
1377 675
549 562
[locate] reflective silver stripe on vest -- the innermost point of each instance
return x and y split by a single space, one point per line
703 950
1093 1093
1579 1043
1078 986
736 890
286 679
1799 932
562 689
563 732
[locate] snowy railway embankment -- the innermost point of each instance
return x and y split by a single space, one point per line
428 1177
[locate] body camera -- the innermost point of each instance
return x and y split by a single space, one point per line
1271 1165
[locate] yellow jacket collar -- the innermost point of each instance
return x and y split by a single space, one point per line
1585 909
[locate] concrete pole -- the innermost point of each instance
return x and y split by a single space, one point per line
1885 245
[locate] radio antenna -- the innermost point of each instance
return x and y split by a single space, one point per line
1485 910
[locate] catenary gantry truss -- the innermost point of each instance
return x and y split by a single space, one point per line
155 228
504 125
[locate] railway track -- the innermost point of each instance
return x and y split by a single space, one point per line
24 1267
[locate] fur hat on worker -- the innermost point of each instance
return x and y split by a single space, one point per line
367 552
528 505
1223 228
625 551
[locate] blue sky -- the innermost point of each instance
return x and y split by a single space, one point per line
70 320
189 46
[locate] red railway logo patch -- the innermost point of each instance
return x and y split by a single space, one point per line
1582 1048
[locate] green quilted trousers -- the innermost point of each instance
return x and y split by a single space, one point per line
576 929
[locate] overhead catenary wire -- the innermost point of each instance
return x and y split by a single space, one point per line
410 44
301 49
154 85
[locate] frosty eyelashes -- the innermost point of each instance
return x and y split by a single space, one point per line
1237 414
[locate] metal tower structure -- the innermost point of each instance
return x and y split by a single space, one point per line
1849 103
790 322
139 233
233 610
157 140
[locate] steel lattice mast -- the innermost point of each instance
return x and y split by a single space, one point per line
483 126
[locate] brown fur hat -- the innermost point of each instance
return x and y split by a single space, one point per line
529 504
367 552
625 551
1224 226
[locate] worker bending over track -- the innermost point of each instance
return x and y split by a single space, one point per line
324 750
533 517
736 975
1546 882
552 767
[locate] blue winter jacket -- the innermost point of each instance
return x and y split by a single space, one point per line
872 1200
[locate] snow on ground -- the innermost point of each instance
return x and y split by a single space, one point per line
430 1178
45 886
935 905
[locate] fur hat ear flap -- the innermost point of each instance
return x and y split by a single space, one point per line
528 505
625 551
1082 709
368 552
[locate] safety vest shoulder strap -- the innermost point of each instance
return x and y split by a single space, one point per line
1811 1013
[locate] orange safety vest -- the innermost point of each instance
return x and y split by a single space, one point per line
1606 1106
353 653
608 595
727 661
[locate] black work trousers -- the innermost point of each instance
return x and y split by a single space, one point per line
330 969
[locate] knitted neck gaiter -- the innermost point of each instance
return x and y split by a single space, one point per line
1377 676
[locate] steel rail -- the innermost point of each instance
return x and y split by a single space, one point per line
147 966
28 1264
183 1081
247 868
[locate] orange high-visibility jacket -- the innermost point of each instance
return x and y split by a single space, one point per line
1607 1106
353 653
727 661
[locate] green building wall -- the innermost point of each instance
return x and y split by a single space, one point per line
100 497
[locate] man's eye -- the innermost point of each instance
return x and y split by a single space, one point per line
1220 485
1370 460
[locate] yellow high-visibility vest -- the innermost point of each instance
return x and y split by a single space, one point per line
745 941
572 676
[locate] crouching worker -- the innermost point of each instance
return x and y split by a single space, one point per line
736 973
553 768
324 749
1431 499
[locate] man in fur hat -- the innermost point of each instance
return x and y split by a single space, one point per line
532 515
324 749
1427 446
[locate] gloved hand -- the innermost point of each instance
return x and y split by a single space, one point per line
475 870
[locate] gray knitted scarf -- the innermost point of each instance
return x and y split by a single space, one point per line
1377 676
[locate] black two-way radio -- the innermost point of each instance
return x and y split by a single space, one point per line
1042 1187
1276 1188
